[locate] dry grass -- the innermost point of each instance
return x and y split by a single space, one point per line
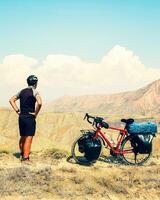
4 151
64 180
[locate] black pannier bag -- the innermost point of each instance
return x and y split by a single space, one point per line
142 143
81 141
142 135
81 144
90 147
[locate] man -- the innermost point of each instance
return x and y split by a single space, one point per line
30 105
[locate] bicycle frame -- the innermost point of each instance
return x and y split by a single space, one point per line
122 133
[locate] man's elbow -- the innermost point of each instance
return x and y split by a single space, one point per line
39 104
10 101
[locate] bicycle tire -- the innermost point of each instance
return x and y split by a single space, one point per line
129 160
81 159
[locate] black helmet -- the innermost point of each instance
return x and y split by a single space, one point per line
32 80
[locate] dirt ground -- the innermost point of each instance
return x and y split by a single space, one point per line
51 175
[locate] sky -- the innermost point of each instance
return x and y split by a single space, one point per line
79 47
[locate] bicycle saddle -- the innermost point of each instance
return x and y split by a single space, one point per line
127 121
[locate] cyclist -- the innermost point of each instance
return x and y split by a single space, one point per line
30 105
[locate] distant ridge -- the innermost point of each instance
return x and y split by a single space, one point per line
142 101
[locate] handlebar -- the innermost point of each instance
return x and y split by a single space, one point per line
89 116
97 121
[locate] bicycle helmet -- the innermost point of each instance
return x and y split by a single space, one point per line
32 80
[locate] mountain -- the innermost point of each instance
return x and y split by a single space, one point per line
142 101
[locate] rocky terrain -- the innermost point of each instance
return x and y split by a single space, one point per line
52 175
142 101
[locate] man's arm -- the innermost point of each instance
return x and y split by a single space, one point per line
38 105
12 101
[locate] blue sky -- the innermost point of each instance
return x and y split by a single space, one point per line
88 29
79 47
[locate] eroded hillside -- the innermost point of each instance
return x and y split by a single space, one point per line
55 129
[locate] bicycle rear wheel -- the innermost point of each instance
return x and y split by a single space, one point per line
130 156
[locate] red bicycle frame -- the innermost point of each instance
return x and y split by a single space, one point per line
122 134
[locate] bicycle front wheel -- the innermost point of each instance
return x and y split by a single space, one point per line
79 152
130 156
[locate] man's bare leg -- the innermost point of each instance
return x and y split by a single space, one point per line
21 144
27 146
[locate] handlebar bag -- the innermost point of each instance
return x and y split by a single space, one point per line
142 128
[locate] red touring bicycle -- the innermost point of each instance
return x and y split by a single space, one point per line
125 149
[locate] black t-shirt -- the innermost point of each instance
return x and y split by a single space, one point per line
27 99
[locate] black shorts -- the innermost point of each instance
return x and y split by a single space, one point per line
27 125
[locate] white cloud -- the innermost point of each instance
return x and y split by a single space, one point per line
119 70
14 69
19 60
